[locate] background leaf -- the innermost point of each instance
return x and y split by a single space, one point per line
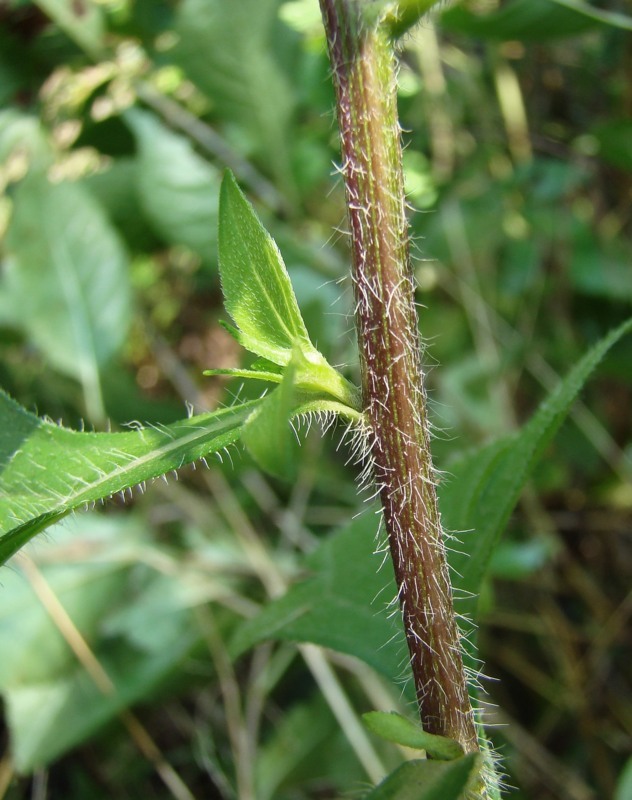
66 280
614 139
82 22
624 784
485 486
345 585
227 51
303 745
523 20
178 189
52 701
612 18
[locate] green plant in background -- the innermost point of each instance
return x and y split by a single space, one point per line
49 470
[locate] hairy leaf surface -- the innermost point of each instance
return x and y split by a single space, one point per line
257 289
47 471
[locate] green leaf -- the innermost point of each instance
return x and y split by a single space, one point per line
178 189
515 561
23 133
51 702
257 289
611 18
12 78
392 727
356 598
111 188
66 277
82 22
601 266
48 719
259 297
86 589
429 780
624 783
526 20
295 748
485 486
268 435
228 51
47 471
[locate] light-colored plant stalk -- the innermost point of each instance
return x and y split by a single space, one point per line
363 65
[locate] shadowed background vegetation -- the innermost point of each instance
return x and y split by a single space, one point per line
118 633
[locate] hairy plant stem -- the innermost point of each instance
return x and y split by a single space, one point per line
392 380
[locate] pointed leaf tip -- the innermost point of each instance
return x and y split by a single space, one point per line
259 296
257 289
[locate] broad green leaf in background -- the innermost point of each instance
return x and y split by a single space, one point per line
345 584
23 133
228 50
85 578
393 727
485 486
177 188
334 590
429 780
11 78
612 18
601 268
525 20
52 703
48 719
47 471
66 280
111 188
